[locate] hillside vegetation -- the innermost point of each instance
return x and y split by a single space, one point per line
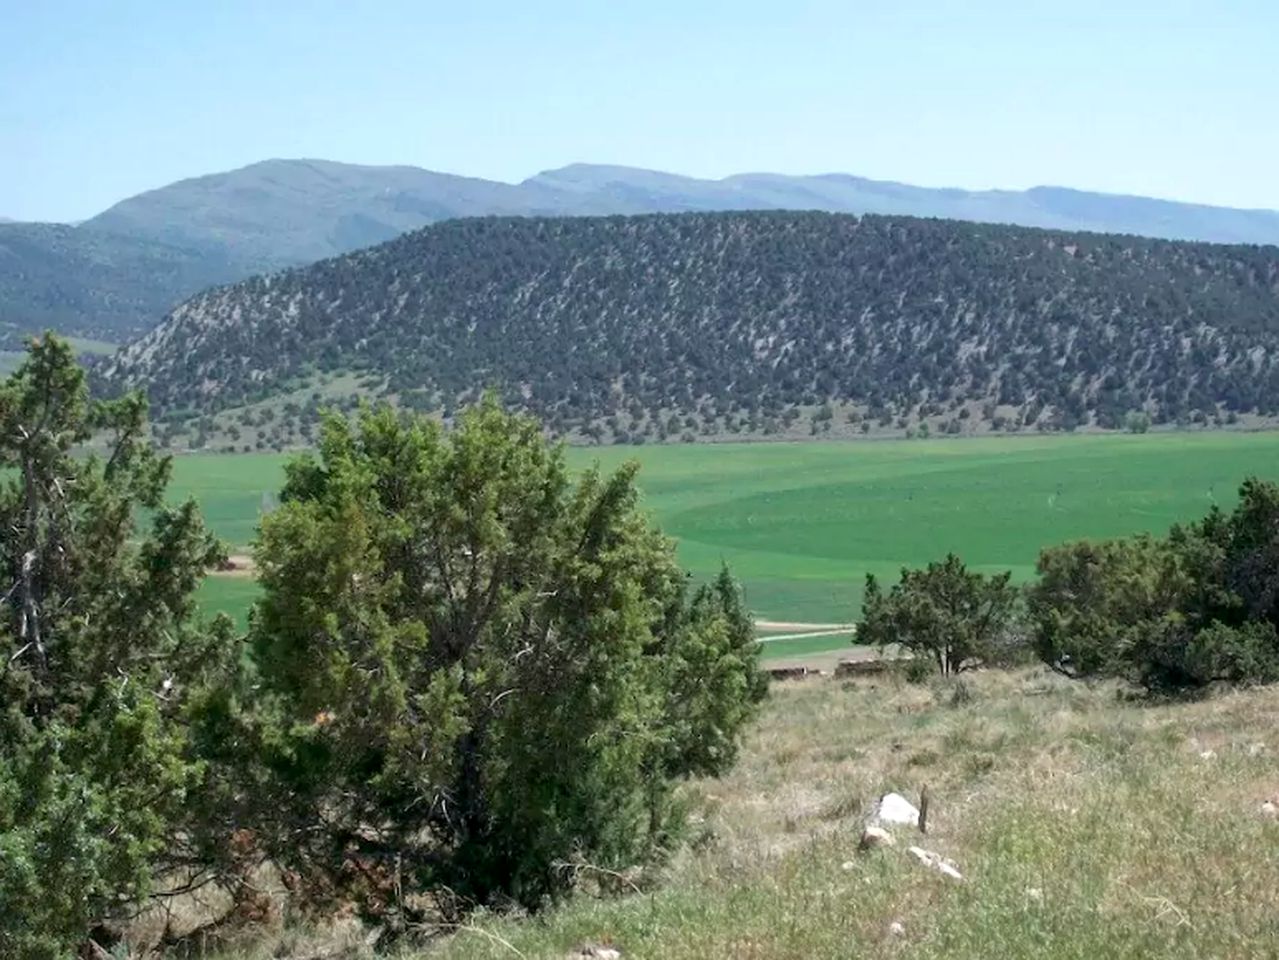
150 251
93 284
677 326
1084 827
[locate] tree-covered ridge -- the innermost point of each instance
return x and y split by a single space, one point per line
91 283
113 276
742 316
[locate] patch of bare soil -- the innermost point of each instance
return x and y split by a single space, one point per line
236 565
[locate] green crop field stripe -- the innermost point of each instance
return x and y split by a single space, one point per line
801 524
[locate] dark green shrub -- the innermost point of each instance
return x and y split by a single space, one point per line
917 669
943 613
1094 602
1197 607
1180 658
478 670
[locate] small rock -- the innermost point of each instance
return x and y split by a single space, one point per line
897 929
873 837
937 862
1269 809
847 865
1256 749
894 808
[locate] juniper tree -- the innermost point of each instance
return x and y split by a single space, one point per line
1173 613
480 670
944 612
101 658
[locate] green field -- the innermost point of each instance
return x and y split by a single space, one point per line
801 524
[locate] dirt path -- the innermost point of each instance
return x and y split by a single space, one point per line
798 626
841 632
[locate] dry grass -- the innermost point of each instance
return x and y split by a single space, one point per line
1086 825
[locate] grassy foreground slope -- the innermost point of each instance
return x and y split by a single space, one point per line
801 524
1085 826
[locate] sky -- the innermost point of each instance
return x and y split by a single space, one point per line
102 99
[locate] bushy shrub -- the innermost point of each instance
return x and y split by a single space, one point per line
1013 646
473 669
1176 613
470 673
916 669
943 613
1093 602
1137 421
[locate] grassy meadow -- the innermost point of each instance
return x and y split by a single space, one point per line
1086 825
802 523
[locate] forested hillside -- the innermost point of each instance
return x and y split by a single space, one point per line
681 325
87 283
120 271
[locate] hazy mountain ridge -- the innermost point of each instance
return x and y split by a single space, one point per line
85 283
181 238
658 324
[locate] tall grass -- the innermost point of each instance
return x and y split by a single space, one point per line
1086 825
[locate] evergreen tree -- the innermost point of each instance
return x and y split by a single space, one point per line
102 659
943 612
476 669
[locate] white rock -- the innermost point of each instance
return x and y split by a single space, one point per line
1256 749
847 865
598 952
873 837
897 929
937 862
894 808
1269 809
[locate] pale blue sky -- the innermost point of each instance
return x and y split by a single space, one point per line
100 100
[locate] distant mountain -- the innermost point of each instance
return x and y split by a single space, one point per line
653 326
282 213
641 191
296 211
287 212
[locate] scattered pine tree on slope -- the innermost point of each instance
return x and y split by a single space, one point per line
745 314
